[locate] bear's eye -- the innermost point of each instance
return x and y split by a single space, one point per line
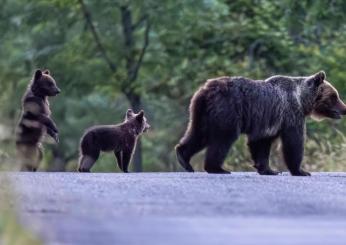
334 97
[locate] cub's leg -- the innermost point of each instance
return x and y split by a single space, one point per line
217 149
29 156
293 150
40 155
126 158
86 162
89 152
119 157
260 151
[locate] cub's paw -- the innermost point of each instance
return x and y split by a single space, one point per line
268 171
56 138
83 170
301 173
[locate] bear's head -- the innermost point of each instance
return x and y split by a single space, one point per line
138 120
43 84
327 103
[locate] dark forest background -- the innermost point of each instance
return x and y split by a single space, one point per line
110 55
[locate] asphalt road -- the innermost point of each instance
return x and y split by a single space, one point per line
183 208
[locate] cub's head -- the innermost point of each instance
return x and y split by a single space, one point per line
327 103
139 120
43 84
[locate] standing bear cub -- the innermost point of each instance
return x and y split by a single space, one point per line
226 107
120 138
35 120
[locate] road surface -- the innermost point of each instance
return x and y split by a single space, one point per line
183 208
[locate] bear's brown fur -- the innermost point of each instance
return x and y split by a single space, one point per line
120 138
328 103
35 120
226 107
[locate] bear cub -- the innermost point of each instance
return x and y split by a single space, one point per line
120 138
35 120
264 110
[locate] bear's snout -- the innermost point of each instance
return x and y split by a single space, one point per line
341 107
56 91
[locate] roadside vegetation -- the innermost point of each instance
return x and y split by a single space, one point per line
12 232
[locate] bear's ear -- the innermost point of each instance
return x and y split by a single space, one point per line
38 74
317 79
129 113
140 115
46 72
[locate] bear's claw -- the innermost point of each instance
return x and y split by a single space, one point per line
182 161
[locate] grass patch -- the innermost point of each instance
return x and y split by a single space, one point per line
11 231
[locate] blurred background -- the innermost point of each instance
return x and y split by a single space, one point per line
108 56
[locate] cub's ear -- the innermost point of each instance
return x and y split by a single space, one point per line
316 79
140 115
129 113
46 72
38 74
321 75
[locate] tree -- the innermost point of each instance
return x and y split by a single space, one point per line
109 55
133 61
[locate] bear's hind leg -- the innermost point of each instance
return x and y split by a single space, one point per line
29 156
188 147
86 162
217 150
293 149
260 151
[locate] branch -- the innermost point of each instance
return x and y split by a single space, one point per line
139 22
97 39
142 53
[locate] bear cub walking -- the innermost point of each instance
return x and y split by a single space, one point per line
264 110
35 120
120 138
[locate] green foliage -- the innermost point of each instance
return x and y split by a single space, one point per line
188 42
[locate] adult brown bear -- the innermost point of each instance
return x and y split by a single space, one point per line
226 107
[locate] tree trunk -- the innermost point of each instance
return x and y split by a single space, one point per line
59 162
137 157
132 64
136 104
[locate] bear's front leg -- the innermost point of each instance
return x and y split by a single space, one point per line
293 149
53 134
119 157
48 122
260 151
126 158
